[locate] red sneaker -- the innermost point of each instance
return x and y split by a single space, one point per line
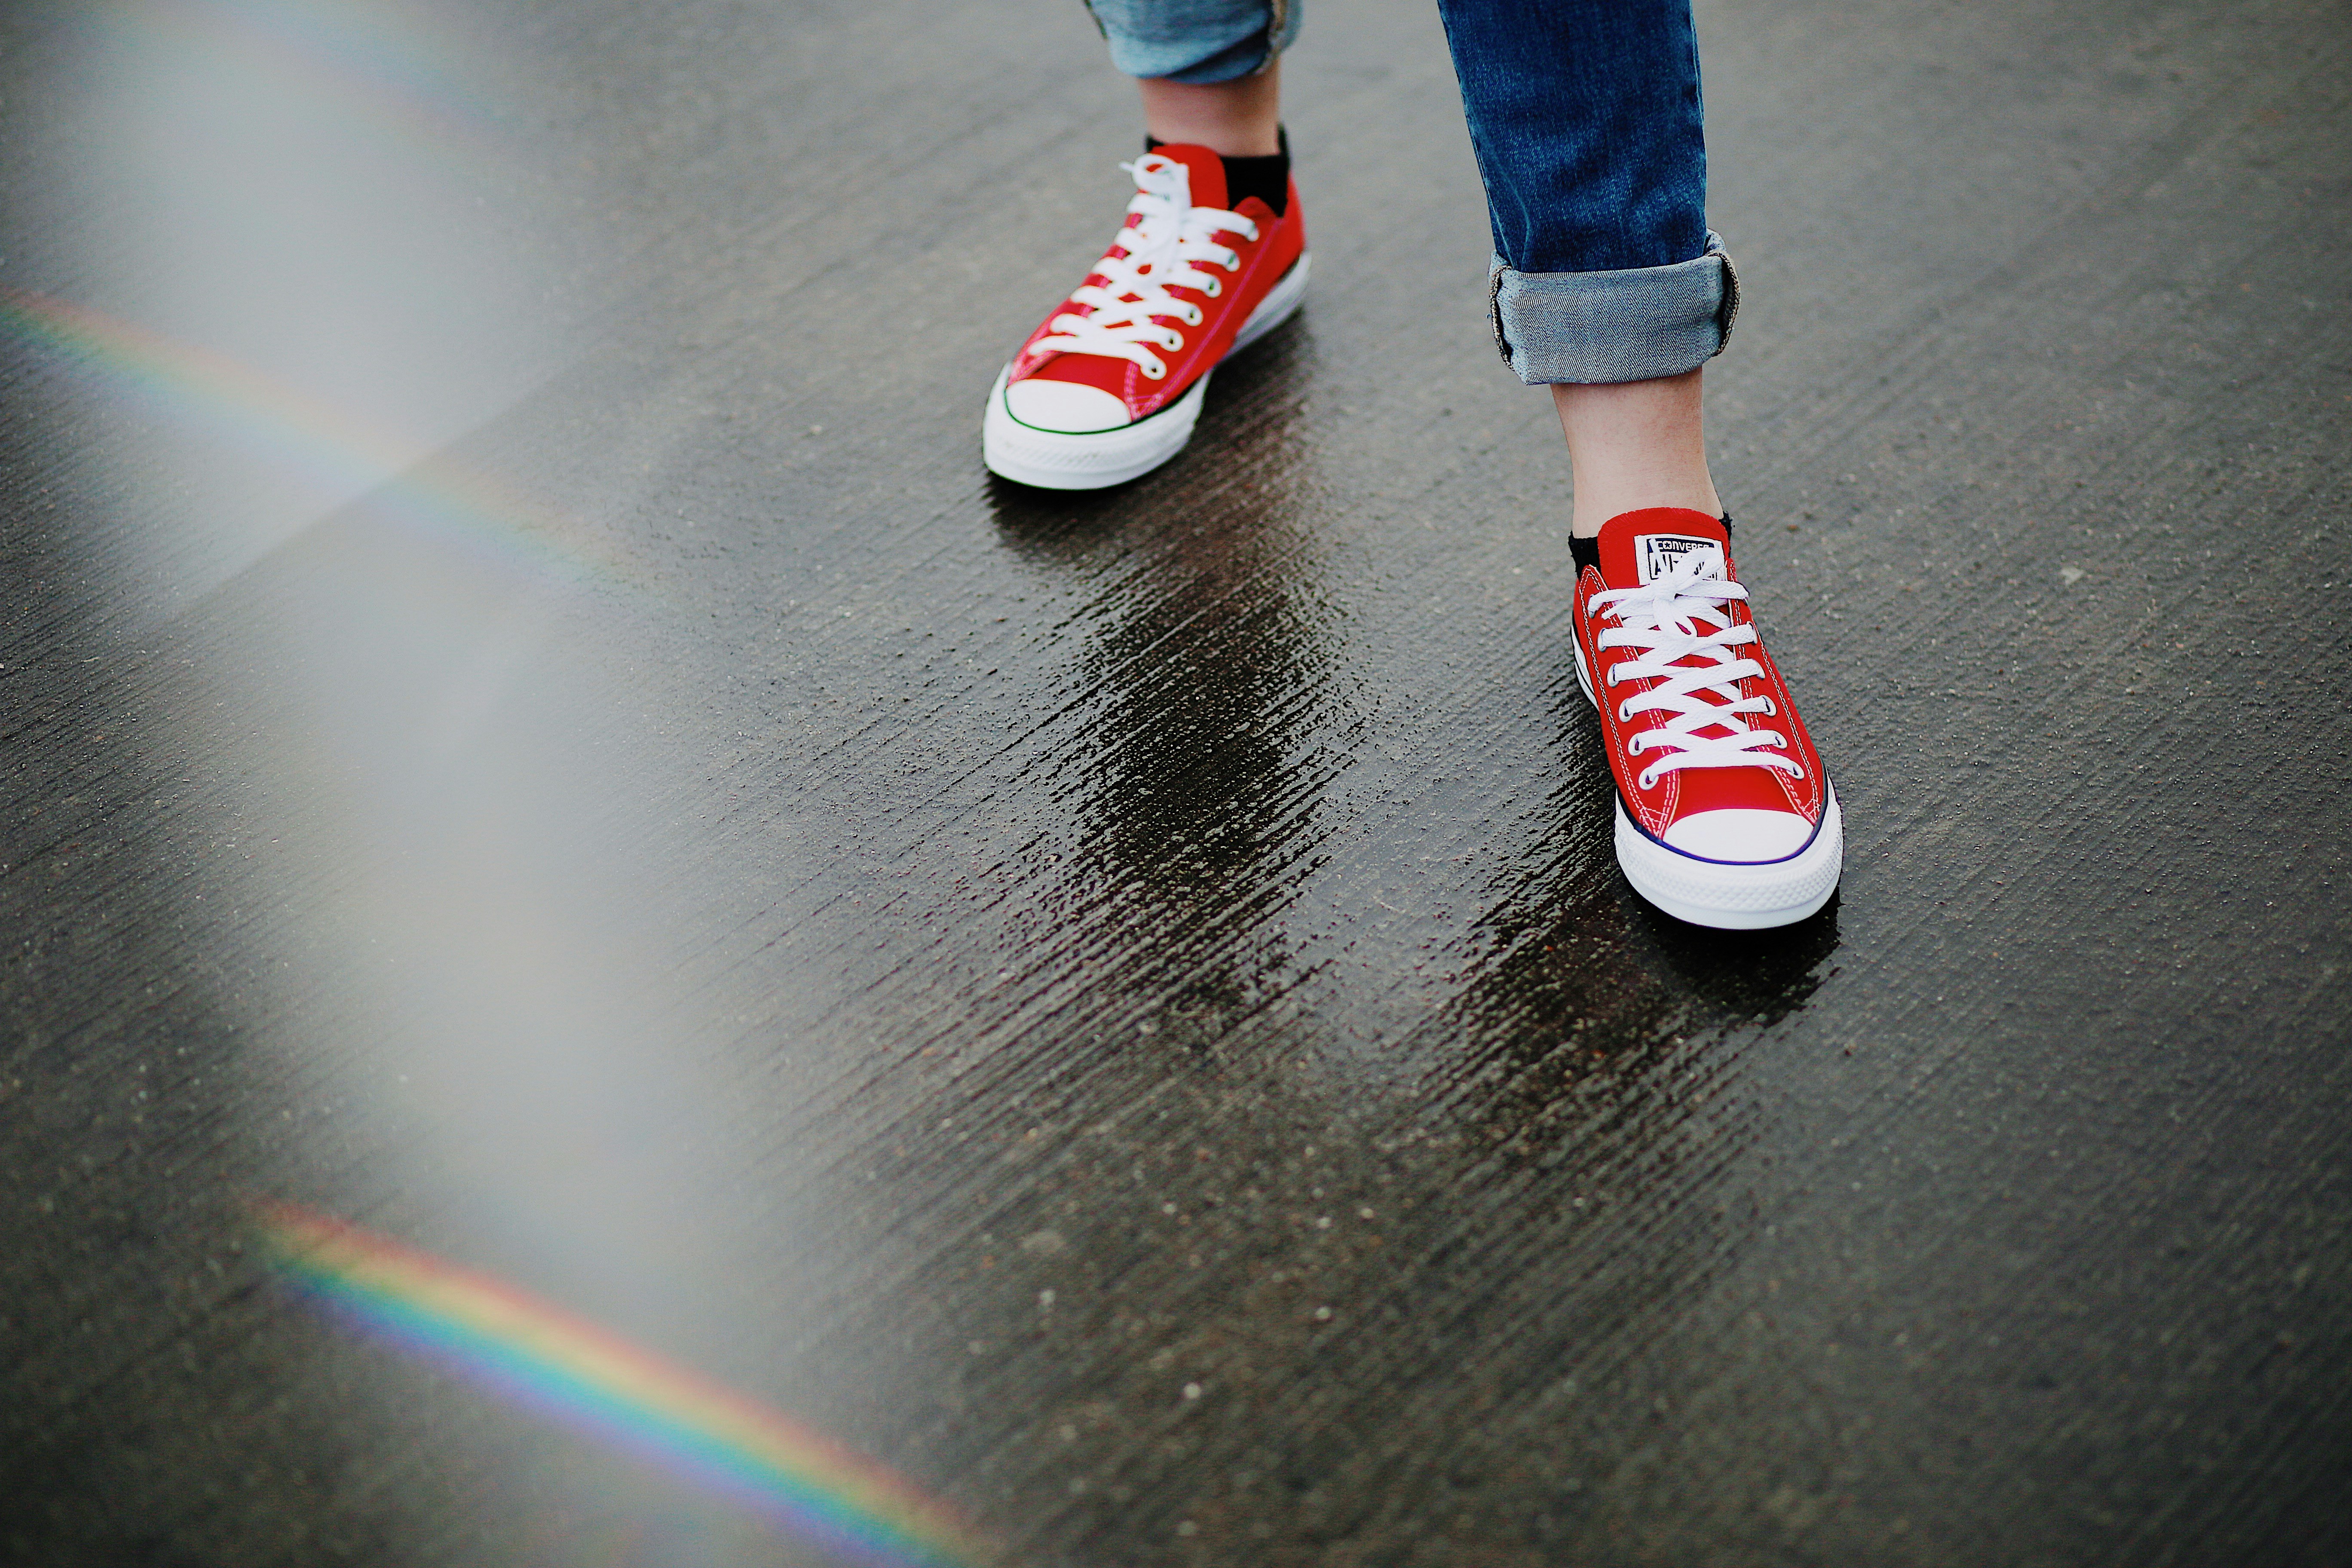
1110 387
1724 815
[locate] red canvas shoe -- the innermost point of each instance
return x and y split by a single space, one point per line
1110 387
1724 815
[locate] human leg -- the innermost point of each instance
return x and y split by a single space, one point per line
1237 119
1607 285
1633 443
1585 117
1212 255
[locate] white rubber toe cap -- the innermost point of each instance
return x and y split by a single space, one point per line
1741 836
1065 406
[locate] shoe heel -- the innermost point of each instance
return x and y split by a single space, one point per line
1281 303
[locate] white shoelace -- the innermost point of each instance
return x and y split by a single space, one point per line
1162 250
1679 616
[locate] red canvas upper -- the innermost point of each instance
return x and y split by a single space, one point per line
1263 261
1656 537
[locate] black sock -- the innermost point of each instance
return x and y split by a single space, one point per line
1266 178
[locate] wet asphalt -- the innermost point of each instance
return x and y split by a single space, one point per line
529 728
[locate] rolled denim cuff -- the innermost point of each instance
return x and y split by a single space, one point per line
1197 41
1636 325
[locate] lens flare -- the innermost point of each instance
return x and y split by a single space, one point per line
357 70
555 1363
341 456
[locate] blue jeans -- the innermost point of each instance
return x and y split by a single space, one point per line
1585 118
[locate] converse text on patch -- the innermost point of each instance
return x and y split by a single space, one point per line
1658 554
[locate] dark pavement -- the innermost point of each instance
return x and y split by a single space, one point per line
529 728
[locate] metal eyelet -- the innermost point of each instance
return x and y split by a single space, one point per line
1800 772
1211 287
1769 710
1648 779
1633 747
1624 712
1154 372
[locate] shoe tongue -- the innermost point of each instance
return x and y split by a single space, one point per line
1208 172
1637 546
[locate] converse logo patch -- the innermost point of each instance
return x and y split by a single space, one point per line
1659 553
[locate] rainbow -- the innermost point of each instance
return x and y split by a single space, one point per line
343 456
573 1370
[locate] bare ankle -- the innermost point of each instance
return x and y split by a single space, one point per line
1237 119
1636 444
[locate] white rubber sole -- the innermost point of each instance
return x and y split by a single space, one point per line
1730 897
1057 460
1726 895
